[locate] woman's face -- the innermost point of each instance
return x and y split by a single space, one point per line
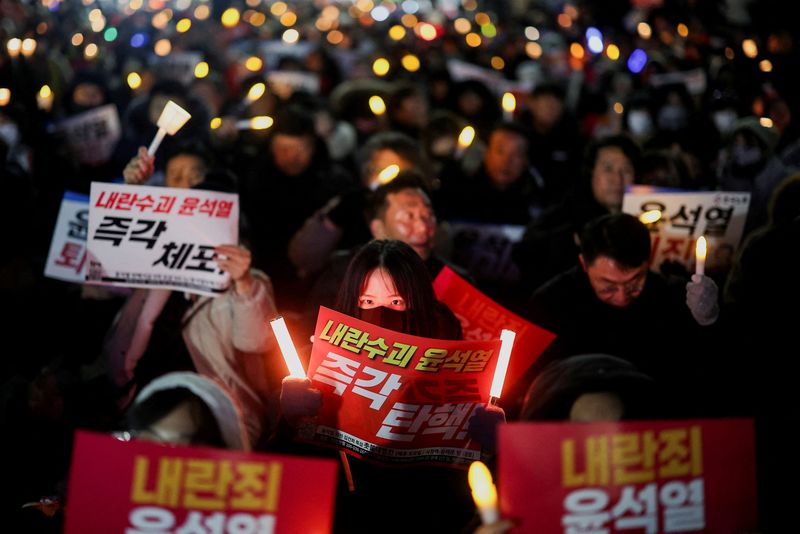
613 171
379 290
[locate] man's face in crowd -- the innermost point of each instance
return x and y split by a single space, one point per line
506 157
614 284
184 171
408 218
612 172
292 155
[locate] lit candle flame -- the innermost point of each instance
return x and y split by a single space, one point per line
377 105
287 348
44 99
484 492
262 122
256 92
14 45
466 137
507 337
388 174
650 216
5 96
509 103
700 251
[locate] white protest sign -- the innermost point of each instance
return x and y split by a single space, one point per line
694 80
92 135
461 70
67 257
685 216
141 236
285 82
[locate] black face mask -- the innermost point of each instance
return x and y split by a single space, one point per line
386 318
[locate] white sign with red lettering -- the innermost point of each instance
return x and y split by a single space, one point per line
141 236
683 216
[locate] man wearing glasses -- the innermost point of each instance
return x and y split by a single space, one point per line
612 303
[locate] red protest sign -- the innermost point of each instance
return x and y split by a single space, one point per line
654 477
482 318
142 487
394 397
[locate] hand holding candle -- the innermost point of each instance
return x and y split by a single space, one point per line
484 492
700 255
172 119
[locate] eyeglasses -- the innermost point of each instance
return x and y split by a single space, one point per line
630 289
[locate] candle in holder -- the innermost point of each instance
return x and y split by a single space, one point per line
288 350
465 139
484 492
172 119
509 104
700 255
262 122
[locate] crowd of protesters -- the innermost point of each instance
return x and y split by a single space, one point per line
696 99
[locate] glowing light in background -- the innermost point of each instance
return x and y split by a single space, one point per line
134 80
381 66
637 61
594 40
410 62
201 70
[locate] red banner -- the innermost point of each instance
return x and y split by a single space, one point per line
398 398
651 477
142 487
482 318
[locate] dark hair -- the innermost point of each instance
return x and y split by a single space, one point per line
190 147
624 142
550 89
405 146
511 127
295 121
619 236
655 160
377 202
410 277
561 382
144 414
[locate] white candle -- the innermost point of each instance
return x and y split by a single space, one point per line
262 122
700 255
484 492
507 337
509 104
465 139
287 348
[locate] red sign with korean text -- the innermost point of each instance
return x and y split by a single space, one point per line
138 487
653 477
482 318
394 397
